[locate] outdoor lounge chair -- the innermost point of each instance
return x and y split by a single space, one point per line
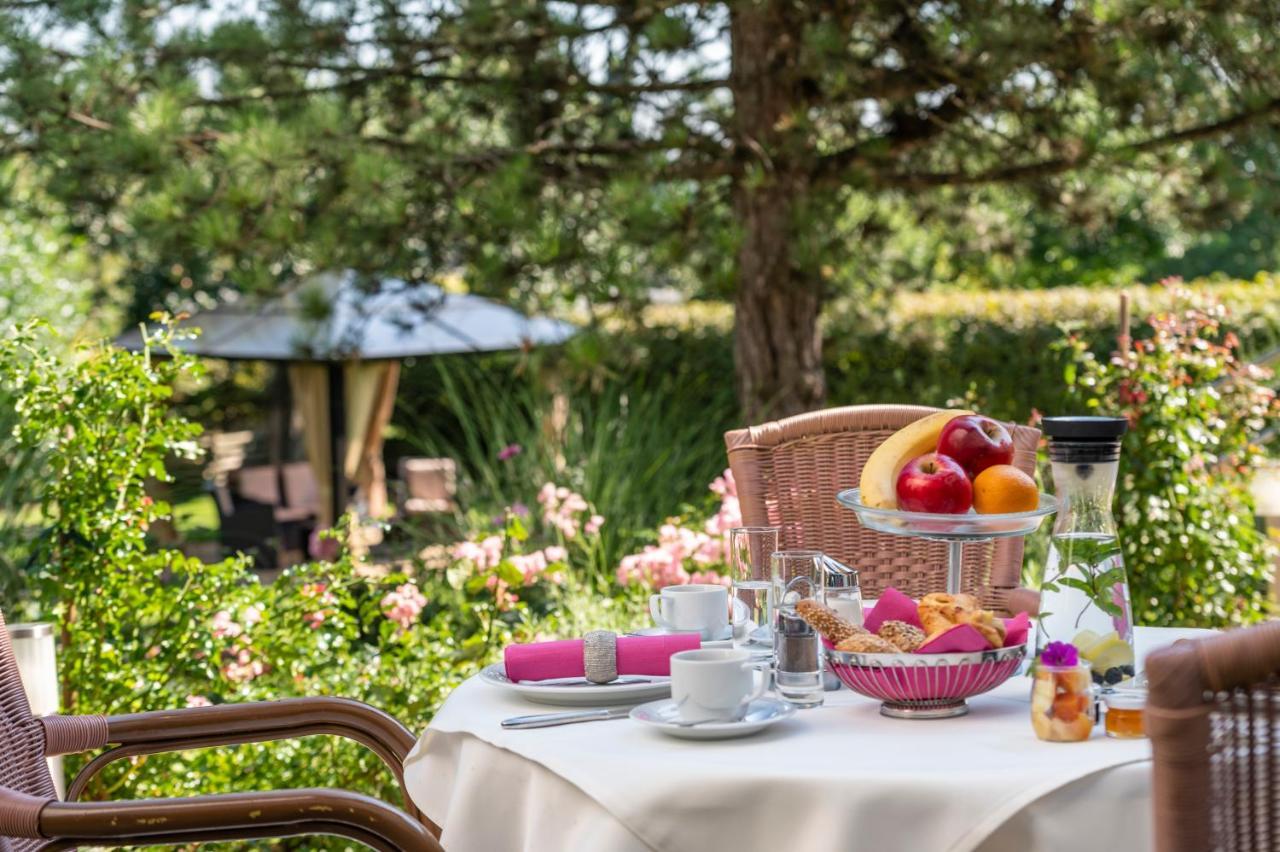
32 817
429 485
792 469
1213 715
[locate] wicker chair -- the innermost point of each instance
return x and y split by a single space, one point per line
31 817
788 473
1213 715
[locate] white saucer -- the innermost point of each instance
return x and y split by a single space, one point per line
761 713
723 640
578 696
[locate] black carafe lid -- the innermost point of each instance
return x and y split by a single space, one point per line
1084 438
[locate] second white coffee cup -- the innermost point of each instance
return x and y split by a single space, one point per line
701 608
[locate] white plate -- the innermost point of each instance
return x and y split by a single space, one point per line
761 713
578 696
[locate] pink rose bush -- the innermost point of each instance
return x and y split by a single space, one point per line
403 605
686 552
502 560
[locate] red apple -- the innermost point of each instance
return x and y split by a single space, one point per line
976 442
934 483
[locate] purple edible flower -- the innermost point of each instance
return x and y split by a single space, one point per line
1060 655
509 451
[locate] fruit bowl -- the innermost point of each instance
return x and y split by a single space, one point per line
925 686
968 526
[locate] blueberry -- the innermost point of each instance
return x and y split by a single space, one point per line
1114 674
1128 670
1097 677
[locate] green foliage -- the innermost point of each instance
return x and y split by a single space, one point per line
997 346
149 630
1193 553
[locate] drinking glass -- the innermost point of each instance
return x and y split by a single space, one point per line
796 575
750 549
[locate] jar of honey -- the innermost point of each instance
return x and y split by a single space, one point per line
1125 714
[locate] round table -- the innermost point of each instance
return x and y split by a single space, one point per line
839 777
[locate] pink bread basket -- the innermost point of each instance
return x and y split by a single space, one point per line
925 686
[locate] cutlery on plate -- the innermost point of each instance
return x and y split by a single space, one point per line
547 720
621 680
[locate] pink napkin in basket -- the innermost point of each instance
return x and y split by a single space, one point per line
893 605
637 655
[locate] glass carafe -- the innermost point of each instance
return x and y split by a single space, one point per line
1084 594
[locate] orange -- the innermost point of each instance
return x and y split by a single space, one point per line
1002 488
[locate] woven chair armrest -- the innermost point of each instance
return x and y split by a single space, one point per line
235 724
256 718
20 814
1181 674
199 819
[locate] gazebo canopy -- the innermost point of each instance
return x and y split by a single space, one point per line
342 337
332 317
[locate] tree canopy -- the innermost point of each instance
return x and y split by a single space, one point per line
761 149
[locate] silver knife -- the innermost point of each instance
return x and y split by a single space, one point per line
547 720
621 680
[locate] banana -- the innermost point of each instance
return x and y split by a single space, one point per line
880 474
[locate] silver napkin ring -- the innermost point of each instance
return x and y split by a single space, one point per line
600 656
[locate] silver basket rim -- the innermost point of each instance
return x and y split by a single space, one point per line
968 658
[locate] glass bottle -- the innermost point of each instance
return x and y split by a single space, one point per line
1084 594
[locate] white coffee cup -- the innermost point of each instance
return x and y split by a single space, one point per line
700 608
715 684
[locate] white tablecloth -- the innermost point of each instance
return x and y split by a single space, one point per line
840 777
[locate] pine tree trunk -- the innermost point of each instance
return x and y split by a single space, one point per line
777 348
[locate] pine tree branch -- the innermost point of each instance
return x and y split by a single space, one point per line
1081 156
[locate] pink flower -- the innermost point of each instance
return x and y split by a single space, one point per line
531 565
403 605
323 546
510 451
709 577
724 484
252 615
484 554
505 599
562 508
315 619
242 668
555 553
594 524
198 701
224 627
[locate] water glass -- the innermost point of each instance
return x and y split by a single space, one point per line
796 575
750 549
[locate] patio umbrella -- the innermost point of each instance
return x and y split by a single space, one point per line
342 337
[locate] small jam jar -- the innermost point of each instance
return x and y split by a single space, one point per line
1124 713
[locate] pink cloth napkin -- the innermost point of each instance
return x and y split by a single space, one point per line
893 605
637 655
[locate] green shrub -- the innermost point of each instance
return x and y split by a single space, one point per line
998 347
1192 550
142 629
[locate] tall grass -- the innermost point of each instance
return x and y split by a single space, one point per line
638 444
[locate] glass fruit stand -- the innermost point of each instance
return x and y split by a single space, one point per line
955 530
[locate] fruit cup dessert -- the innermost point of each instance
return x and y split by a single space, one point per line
1062 696
948 463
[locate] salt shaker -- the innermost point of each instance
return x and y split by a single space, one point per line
840 589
